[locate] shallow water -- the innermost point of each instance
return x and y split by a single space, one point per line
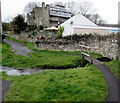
22 71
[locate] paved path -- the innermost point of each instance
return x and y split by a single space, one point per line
4 86
18 48
112 82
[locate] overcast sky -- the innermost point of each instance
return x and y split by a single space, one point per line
108 9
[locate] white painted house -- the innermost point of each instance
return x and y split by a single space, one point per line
79 24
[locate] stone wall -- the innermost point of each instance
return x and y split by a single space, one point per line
107 45
22 37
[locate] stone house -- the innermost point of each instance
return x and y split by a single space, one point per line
48 15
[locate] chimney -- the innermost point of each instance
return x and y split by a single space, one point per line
47 6
43 4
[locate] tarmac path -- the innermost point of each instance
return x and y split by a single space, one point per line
112 82
18 48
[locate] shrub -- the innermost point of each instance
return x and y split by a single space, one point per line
60 31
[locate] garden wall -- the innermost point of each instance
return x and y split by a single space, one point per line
107 45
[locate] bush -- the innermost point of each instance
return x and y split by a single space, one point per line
60 31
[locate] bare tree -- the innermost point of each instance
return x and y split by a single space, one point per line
86 8
71 7
83 7
29 7
102 22
96 18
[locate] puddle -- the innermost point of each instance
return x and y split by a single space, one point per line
20 71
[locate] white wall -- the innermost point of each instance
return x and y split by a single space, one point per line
68 30
76 20
87 30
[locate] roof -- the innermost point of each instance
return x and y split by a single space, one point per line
79 19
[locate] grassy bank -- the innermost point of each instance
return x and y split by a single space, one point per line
81 84
114 66
39 60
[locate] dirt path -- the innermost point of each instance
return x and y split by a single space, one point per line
18 48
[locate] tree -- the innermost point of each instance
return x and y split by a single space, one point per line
83 7
19 24
86 9
96 18
60 31
71 7
29 7
6 26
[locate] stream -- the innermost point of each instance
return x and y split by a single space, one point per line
22 71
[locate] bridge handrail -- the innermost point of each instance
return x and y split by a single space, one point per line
83 48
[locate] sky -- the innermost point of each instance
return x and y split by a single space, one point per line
108 9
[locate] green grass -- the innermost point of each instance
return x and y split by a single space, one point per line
81 84
114 67
38 59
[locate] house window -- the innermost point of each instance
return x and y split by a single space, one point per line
71 22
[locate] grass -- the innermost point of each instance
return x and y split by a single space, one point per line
114 67
38 59
81 84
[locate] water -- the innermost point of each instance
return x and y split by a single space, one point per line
21 71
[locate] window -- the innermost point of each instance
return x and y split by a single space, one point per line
71 22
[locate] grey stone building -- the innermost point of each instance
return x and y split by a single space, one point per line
48 15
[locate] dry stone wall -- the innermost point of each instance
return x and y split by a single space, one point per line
107 45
